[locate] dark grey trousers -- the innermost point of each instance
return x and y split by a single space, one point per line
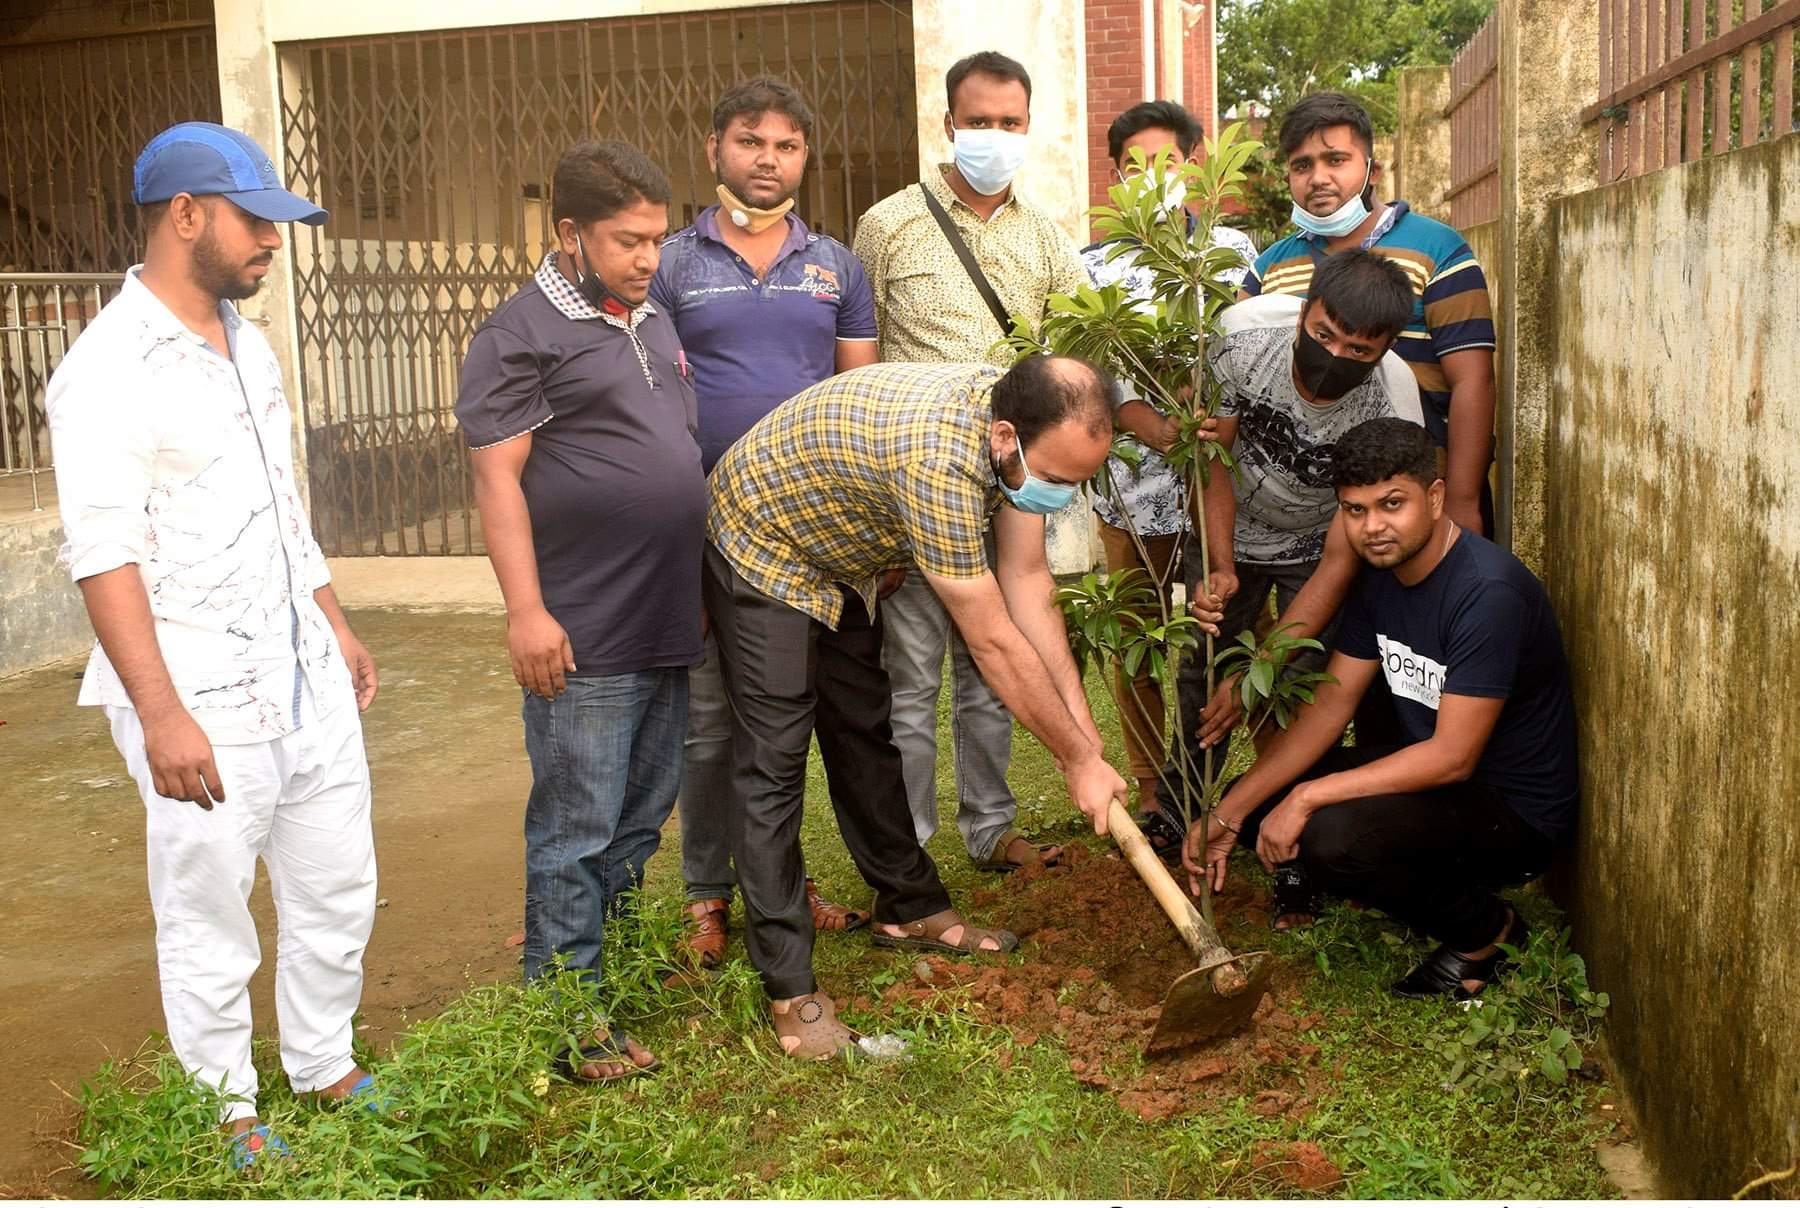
788 677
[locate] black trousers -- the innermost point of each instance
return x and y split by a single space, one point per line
787 678
1434 860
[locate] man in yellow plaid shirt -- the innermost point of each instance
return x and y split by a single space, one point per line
876 468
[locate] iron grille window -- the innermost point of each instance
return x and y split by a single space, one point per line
78 112
433 151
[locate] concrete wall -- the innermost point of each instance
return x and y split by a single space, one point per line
41 615
1049 38
1421 161
1672 540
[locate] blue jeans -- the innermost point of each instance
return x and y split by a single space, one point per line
605 767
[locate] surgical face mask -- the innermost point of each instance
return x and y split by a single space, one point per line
1035 495
1325 376
1341 221
988 159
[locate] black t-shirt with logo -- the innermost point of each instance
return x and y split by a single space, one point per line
1479 624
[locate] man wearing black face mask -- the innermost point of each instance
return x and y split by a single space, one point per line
1293 375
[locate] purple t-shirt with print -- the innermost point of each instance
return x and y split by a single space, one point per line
757 342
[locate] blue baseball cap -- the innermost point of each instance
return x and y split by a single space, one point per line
207 159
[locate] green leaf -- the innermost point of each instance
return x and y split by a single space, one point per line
1552 1067
1262 675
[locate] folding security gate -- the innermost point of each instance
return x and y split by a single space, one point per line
434 153
76 107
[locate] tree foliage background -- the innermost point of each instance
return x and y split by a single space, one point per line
1273 52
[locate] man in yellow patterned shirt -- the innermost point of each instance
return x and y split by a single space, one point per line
928 308
878 467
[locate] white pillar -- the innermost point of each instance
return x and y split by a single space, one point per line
250 101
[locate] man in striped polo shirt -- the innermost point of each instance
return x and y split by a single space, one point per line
1327 146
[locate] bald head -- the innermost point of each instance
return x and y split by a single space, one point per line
1059 411
1040 392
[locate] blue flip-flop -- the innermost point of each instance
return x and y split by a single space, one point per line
366 1095
253 1145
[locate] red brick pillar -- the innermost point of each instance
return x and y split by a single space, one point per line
1115 79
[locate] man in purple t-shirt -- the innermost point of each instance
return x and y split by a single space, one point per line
580 417
765 308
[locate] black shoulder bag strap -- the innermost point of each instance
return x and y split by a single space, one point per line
968 262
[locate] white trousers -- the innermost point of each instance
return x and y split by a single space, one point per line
301 802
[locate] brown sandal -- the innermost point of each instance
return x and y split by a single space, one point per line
703 943
829 916
1046 854
813 1021
928 933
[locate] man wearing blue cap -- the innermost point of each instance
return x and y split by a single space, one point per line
229 675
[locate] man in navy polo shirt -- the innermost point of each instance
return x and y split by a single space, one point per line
764 308
580 416
1485 779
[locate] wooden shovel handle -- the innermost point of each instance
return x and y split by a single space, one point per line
1200 938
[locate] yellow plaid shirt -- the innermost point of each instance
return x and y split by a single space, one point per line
879 467
926 308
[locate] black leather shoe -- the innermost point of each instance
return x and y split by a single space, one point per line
1443 972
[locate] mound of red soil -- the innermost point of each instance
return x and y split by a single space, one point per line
1299 1164
1100 956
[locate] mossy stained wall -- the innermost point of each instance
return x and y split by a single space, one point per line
1672 539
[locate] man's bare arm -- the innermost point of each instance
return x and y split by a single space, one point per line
1471 377
539 649
854 354
176 748
1029 591
1449 756
1014 670
1220 519
363 676
1315 729
1313 606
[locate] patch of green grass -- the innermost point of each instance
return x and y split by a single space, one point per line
478 1111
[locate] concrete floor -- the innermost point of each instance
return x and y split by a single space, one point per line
77 966
23 493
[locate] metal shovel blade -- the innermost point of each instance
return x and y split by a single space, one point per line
1195 1011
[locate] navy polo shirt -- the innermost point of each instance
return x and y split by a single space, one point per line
757 342
613 483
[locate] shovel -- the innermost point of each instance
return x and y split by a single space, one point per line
1218 996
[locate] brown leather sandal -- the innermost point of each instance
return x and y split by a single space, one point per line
829 916
813 1021
1046 854
703 943
928 933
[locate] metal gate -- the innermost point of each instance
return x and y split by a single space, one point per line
434 153
81 91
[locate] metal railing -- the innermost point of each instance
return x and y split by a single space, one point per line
1474 116
41 314
1680 79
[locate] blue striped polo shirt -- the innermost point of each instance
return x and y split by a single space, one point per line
1451 311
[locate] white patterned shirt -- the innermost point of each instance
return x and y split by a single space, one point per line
174 459
1152 492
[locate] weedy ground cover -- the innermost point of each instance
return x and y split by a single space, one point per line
1341 1090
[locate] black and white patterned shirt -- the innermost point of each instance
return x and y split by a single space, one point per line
1285 500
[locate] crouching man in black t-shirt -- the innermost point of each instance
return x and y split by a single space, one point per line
1486 783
